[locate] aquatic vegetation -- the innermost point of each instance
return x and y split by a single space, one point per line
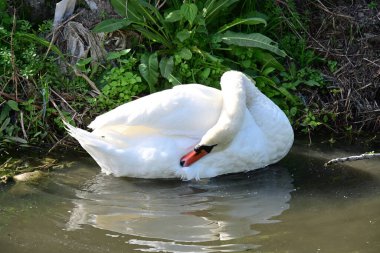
27 168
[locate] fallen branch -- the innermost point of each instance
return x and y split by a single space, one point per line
12 97
353 158
77 72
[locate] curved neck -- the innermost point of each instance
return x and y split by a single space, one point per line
239 94
236 94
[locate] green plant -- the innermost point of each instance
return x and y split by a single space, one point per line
7 129
187 31
120 84
372 5
31 84
5 18
332 65
191 44
297 49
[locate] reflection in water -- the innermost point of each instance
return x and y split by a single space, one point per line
184 216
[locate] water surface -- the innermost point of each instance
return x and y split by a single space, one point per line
294 206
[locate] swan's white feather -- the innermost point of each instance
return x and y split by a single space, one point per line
170 110
147 137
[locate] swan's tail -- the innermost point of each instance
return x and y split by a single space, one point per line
83 137
98 148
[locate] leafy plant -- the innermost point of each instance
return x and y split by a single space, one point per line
120 84
191 46
28 79
183 33
372 5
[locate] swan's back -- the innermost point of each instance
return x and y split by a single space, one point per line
188 109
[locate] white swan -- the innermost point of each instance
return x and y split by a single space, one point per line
168 134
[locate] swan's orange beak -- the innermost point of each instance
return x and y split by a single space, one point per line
192 157
195 155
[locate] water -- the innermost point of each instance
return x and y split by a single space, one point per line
294 206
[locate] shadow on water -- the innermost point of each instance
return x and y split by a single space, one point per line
312 177
177 216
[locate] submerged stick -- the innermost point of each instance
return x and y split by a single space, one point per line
364 156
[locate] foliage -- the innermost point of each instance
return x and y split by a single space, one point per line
28 77
188 42
120 84
372 5
302 73
186 34
197 42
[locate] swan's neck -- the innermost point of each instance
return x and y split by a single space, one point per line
235 92
239 93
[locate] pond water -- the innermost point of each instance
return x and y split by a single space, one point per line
296 205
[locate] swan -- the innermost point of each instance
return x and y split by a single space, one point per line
190 131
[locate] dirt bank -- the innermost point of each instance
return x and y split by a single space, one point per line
348 32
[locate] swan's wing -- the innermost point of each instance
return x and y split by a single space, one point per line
183 108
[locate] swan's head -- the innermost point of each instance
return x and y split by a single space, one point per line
236 94
195 155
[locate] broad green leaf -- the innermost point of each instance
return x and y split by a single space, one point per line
201 29
149 15
16 139
267 59
251 40
149 70
206 55
243 21
185 54
83 62
120 7
293 111
5 124
183 35
246 63
312 83
205 73
212 8
4 113
145 18
173 16
118 54
35 39
154 36
130 13
174 80
13 105
268 70
287 94
284 91
111 25
166 67
189 12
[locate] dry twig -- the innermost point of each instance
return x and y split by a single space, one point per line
353 158
85 77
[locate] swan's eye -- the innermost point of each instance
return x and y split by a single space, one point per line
199 148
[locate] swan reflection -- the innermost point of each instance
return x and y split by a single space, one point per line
172 216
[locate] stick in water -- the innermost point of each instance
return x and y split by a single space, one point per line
369 155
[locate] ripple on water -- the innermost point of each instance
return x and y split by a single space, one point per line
296 206
177 216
